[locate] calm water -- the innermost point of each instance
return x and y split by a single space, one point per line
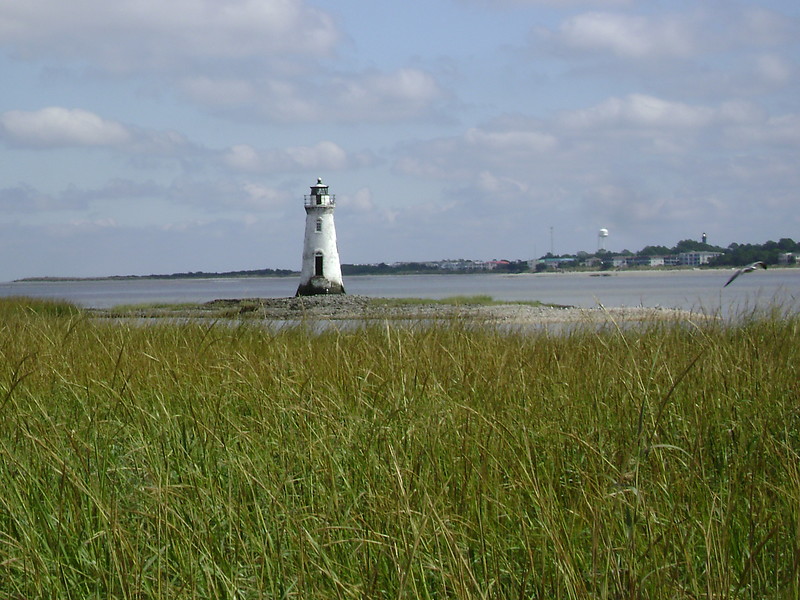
695 290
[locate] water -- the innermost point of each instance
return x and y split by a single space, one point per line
692 290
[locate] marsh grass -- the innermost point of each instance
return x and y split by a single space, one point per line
14 306
204 461
124 309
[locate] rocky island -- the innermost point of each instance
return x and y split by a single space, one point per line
354 307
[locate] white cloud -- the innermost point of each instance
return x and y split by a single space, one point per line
324 155
61 127
219 92
671 125
628 36
24 199
370 96
776 130
314 97
58 127
442 158
258 58
774 69
494 185
398 94
733 112
635 129
553 3
755 25
284 100
640 110
92 224
163 143
126 35
526 141
260 196
688 35
503 143
406 85
362 201
243 157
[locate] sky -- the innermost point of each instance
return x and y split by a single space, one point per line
147 137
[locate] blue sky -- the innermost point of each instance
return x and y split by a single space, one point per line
143 137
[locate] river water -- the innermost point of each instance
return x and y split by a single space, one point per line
698 290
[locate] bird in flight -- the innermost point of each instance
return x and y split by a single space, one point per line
759 264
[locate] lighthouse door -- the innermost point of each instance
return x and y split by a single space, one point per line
318 265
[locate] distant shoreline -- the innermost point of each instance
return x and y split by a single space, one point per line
197 275
288 273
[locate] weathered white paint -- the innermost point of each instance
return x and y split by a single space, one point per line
321 272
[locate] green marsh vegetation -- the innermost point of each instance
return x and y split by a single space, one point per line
200 460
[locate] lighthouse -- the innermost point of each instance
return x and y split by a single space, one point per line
321 272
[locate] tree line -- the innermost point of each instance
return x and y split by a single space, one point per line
735 255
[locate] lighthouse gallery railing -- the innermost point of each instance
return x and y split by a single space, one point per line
311 200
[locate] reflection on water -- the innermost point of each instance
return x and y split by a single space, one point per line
699 290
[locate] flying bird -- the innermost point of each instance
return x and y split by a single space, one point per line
759 264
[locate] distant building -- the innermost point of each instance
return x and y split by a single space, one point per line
672 260
593 261
620 261
493 264
695 259
556 262
459 264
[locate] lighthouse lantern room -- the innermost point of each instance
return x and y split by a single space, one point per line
321 272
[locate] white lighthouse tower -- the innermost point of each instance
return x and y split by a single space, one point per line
321 272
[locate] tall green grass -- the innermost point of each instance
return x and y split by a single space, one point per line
444 461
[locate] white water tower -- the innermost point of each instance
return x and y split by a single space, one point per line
601 239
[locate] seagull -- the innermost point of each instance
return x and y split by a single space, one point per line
759 264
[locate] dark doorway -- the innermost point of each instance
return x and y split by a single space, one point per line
318 265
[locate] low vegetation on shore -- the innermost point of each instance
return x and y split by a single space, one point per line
360 309
202 460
